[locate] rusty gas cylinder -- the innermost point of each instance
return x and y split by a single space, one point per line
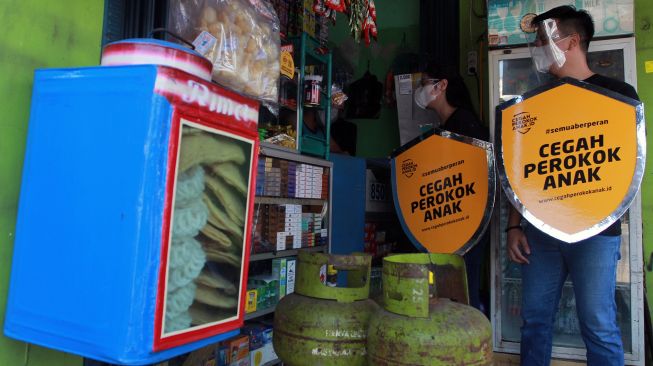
425 319
320 325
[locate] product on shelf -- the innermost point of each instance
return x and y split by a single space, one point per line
266 287
263 355
238 351
283 178
240 37
290 226
312 90
250 301
291 273
284 227
261 350
197 292
279 272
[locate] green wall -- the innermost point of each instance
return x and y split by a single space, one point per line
35 34
471 28
644 42
378 137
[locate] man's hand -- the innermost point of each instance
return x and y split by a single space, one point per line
517 246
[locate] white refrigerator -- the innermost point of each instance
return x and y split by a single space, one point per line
511 73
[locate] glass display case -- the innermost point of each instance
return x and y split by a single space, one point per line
512 74
204 270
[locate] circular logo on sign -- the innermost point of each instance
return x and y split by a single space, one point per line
526 23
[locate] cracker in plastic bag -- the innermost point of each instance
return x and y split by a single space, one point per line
245 55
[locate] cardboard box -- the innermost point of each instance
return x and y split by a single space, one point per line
291 270
279 273
262 355
267 290
297 241
250 304
281 240
238 349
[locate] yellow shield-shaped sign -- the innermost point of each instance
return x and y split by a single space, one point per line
571 157
443 187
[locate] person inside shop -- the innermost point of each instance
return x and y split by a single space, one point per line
546 262
443 90
343 137
312 127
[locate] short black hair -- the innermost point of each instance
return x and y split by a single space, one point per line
570 20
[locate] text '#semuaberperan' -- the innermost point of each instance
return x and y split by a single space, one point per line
572 162
442 197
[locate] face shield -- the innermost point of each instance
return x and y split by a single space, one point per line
544 47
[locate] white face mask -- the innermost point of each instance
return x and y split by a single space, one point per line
424 96
545 56
542 61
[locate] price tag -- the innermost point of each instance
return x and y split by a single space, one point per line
405 84
287 64
378 192
204 42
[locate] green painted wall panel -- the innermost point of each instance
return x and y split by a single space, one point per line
644 42
35 34
471 29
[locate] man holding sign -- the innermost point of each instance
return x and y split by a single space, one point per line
563 37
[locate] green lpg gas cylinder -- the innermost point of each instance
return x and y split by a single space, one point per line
416 327
319 325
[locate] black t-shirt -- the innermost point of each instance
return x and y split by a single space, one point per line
623 89
465 122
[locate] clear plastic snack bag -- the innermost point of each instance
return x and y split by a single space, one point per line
240 37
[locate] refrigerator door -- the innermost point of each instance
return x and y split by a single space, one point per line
512 74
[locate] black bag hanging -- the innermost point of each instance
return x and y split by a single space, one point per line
364 97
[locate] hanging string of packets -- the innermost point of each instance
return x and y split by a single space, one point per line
361 13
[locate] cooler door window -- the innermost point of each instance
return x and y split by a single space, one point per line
512 74
517 76
566 332
204 270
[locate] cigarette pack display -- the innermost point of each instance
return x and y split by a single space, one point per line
150 174
281 240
